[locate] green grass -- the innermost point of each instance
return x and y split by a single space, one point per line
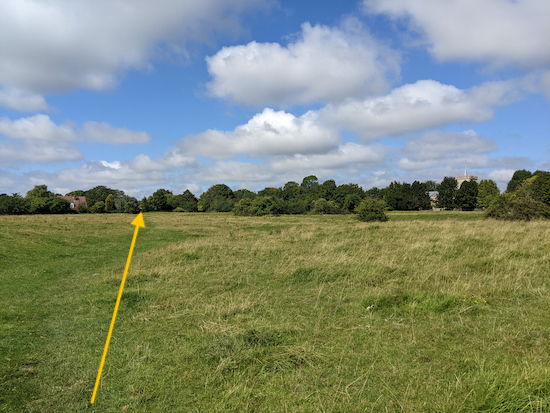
431 311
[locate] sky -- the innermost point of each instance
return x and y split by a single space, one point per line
139 95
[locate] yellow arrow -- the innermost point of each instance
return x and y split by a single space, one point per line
138 222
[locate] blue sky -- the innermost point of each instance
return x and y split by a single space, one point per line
139 95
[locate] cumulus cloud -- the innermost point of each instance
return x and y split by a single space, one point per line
21 100
38 127
15 154
501 177
422 105
266 134
68 45
498 32
438 149
322 64
105 133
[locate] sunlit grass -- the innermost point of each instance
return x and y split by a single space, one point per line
426 312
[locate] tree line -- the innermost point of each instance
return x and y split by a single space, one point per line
526 191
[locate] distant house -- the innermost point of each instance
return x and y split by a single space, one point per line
75 201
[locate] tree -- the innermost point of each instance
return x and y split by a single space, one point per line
14 205
218 198
98 208
40 191
159 200
372 209
100 193
291 190
344 190
322 206
517 179
351 202
540 187
310 183
466 196
243 193
447 192
144 205
109 203
39 205
487 191
60 206
327 190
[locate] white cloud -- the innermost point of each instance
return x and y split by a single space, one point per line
22 100
323 64
422 105
266 134
73 44
501 177
498 32
38 127
442 149
16 154
105 133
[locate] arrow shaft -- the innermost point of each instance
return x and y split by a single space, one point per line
114 315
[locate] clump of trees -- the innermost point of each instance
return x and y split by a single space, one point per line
527 197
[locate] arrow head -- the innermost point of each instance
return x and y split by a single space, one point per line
138 221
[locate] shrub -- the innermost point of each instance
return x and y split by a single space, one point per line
81 209
322 206
513 208
371 209
98 208
178 209
60 206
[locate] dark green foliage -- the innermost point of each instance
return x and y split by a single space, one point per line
345 190
144 205
100 193
159 200
322 206
244 193
310 183
518 177
272 192
407 197
466 196
109 203
292 190
351 202
186 201
218 198
81 209
40 205
121 204
447 193
60 206
75 193
374 193
511 207
40 191
371 209
327 190
98 208
14 205
487 192
261 205
295 206
539 188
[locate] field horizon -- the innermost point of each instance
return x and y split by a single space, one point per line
430 311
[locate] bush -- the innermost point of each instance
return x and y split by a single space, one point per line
513 208
81 209
262 205
98 208
322 206
178 209
60 206
372 209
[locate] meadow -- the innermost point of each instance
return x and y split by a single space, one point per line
429 312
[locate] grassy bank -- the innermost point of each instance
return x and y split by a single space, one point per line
426 312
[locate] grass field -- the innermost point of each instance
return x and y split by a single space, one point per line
433 311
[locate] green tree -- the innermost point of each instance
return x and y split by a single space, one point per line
344 190
487 192
539 189
244 193
372 209
327 190
14 205
60 206
517 179
466 196
351 202
159 200
291 190
109 203
100 193
40 191
310 183
98 208
144 205
218 198
39 205
322 206
446 193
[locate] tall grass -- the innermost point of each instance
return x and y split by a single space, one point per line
298 314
